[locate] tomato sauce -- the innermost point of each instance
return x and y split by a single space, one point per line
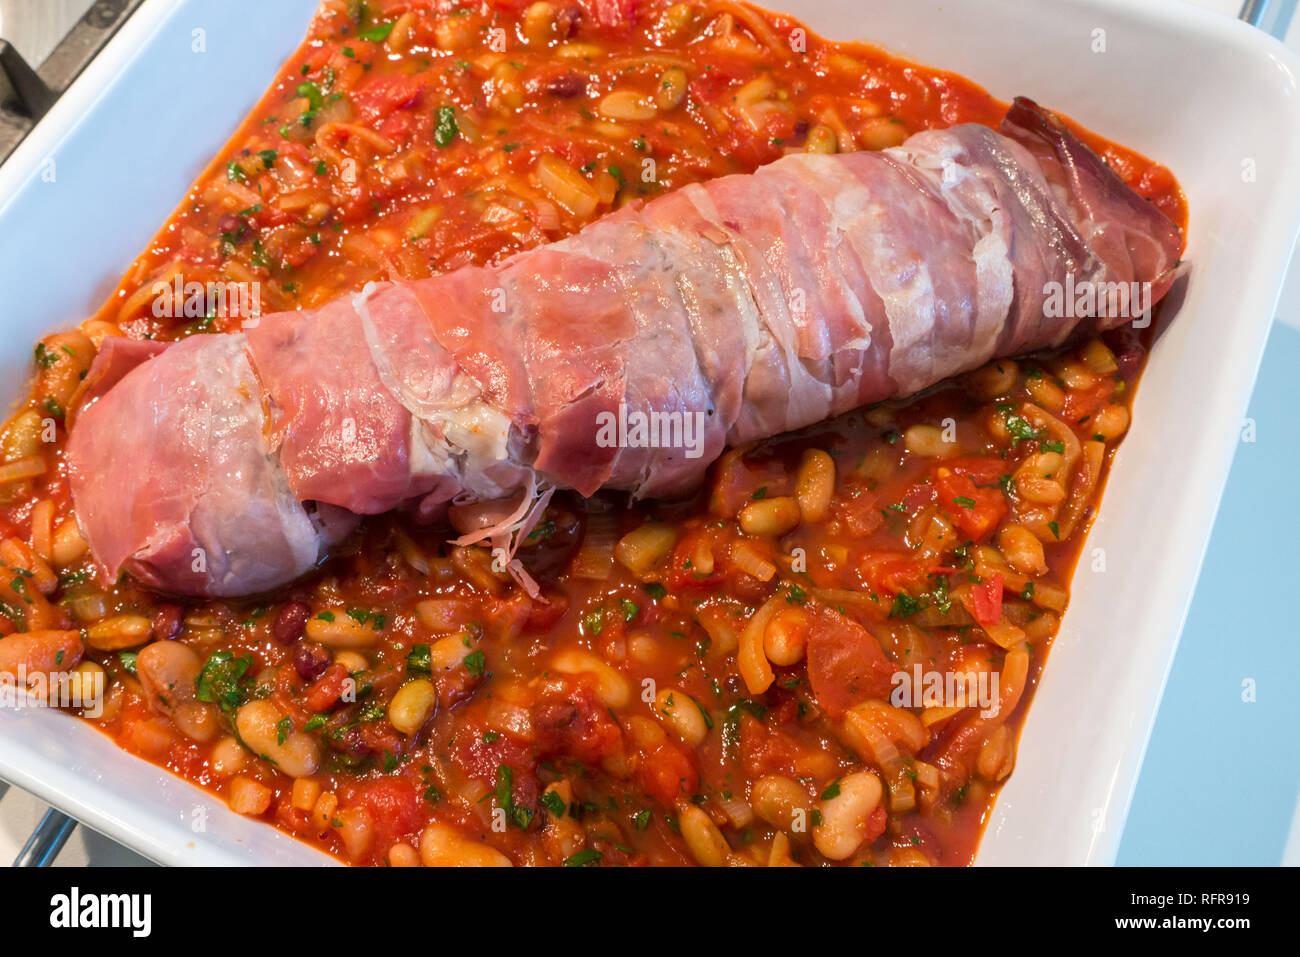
700 681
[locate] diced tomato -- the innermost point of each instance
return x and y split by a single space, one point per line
974 512
326 690
735 480
682 572
981 469
918 495
574 723
667 773
478 753
385 95
546 611
861 513
767 750
876 821
616 13
395 810
845 663
888 573
986 600
380 737
388 94
1083 405
397 127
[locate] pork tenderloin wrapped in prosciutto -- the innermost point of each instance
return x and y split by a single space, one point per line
627 356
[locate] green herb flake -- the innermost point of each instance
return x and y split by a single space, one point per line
419 660
222 680
376 34
446 128
554 804
476 663
905 606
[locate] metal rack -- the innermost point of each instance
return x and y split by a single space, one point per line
26 93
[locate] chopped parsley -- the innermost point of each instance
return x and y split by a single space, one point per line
419 660
446 129
222 680
553 803
376 34
520 817
905 606
476 663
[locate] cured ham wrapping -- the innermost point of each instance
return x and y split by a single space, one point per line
624 357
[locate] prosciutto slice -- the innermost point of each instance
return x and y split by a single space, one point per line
627 356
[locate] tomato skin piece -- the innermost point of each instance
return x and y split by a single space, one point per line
986 599
480 758
682 575
888 573
876 822
667 773
395 810
385 95
575 724
919 496
397 127
861 513
765 750
544 615
845 663
326 690
980 469
978 521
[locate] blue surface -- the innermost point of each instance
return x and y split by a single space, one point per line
1221 775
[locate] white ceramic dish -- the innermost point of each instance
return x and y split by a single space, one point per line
1209 97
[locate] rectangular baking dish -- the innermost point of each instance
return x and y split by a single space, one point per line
1213 99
